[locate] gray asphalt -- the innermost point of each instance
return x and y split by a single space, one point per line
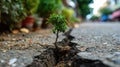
98 41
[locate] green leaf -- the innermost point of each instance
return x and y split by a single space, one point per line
59 23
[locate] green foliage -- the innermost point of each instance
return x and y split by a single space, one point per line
47 7
12 11
59 23
75 19
105 11
31 6
94 18
67 12
83 7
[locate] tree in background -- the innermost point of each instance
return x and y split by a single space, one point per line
83 7
94 18
12 12
30 7
105 11
46 8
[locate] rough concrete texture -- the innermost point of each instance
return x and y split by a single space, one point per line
18 50
99 41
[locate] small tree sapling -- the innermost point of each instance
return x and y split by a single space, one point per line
59 23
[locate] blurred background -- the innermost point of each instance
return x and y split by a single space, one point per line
105 10
33 14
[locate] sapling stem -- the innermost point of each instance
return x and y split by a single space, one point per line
57 36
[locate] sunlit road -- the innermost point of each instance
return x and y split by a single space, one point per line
97 32
98 40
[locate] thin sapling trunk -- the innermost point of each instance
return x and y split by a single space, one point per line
57 36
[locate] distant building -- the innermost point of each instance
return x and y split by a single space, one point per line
114 4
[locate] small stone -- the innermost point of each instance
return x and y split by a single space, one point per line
82 48
4 50
2 61
66 48
15 31
12 61
13 65
105 43
24 30
13 39
84 54
76 25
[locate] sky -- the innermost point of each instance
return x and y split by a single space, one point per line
96 5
